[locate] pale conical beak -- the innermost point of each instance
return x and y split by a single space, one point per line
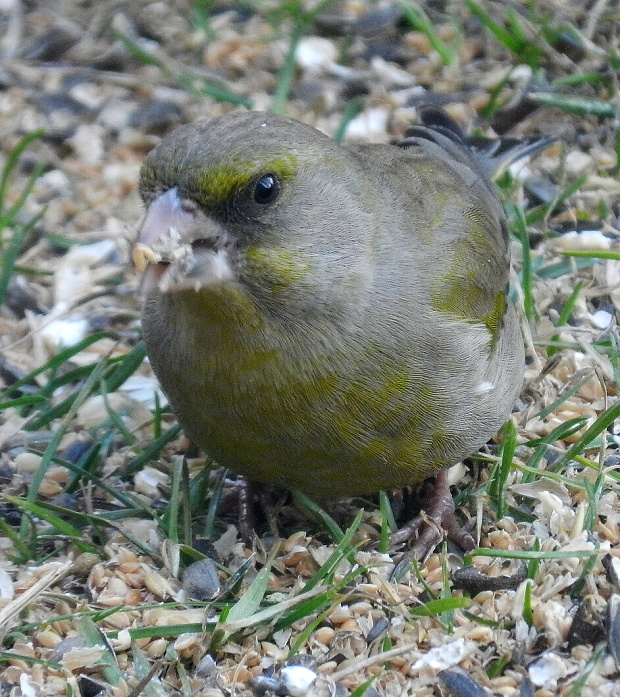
163 230
187 249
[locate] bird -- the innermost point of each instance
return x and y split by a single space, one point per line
330 317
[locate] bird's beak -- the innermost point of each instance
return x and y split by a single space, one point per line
182 249
163 230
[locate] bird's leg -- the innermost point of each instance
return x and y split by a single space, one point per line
250 495
267 508
437 515
245 503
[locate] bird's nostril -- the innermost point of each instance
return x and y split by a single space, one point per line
204 243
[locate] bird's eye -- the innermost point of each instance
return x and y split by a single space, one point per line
267 189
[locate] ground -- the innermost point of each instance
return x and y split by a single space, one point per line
105 502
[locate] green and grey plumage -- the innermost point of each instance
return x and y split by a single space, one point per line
350 336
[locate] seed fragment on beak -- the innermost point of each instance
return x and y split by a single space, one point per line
143 255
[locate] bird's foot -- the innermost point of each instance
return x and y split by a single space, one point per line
437 520
253 495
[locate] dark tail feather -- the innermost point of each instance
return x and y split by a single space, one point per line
437 121
494 155
502 152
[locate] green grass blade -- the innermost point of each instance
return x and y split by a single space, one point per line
54 363
527 280
342 551
60 526
502 35
499 477
153 451
52 448
566 313
604 421
419 21
10 253
592 254
575 105
12 159
287 71
313 507
440 605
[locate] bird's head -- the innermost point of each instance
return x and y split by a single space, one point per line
252 201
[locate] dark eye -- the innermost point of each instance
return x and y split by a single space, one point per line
267 189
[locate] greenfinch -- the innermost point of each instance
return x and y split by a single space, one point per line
329 317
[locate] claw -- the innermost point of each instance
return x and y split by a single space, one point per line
439 520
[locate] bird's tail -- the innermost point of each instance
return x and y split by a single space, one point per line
493 155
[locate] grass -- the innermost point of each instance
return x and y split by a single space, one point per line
188 79
11 244
419 20
271 596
